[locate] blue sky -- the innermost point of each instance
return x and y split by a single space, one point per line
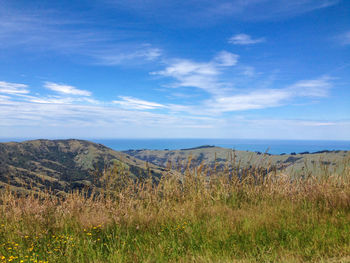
265 69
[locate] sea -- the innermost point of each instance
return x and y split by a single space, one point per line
270 146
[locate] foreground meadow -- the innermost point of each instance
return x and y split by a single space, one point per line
197 214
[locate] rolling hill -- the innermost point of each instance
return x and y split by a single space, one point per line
65 165
62 165
306 163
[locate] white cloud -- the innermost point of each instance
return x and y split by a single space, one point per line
28 119
294 123
312 88
152 53
13 88
254 100
61 100
226 59
4 99
244 39
100 119
268 98
192 74
137 104
182 67
225 97
315 123
66 89
56 114
111 57
51 100
202 75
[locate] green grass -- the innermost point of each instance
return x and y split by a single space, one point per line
285 233
183 219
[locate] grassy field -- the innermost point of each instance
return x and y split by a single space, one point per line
185 217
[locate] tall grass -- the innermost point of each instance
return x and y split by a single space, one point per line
195 214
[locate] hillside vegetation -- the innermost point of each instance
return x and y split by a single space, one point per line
292 164
77 201
65 165
186 216
62 165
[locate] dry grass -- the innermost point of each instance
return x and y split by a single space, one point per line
233 215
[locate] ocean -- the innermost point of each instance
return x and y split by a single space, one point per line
271 146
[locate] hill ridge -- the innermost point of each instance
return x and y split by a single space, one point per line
62 165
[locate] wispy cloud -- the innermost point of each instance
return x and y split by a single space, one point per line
60 100
269 9
69 34
111 57
137 104
66 89
226 59
182 67
311 88
202 75
244 39
4 99
105 120
316 123
291 122
253 100
269 98
13 88
125 116
204 12
248 71
43 28
344 39
225 96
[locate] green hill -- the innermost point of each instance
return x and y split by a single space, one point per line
315 163
62 165
65 165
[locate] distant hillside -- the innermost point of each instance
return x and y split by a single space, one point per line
291 163
64 165
61 165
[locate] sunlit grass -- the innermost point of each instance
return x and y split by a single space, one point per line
185 217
